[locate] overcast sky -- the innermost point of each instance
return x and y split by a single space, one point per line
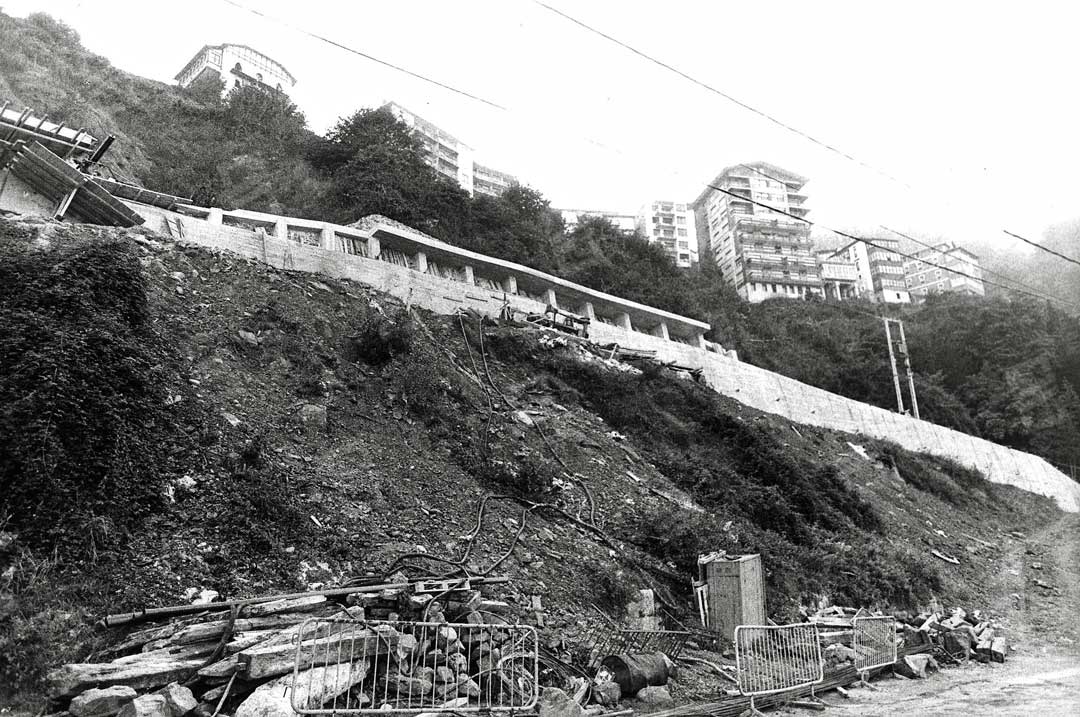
972 104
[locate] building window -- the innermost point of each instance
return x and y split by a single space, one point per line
680 220
682 232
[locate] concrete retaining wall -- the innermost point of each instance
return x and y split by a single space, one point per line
747 384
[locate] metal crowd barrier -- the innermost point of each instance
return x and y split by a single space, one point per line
777 658
368 667
874 643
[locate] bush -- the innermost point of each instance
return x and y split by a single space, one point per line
87 440
948 480
377 339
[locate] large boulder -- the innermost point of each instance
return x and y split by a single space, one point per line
312 418
102 702
915 667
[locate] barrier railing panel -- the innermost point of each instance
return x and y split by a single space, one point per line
874 642
368 667
775 658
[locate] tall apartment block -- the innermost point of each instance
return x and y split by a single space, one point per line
762 253
880 270
451 157
236 65
672 226
924 278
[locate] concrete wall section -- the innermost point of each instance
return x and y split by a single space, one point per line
748 384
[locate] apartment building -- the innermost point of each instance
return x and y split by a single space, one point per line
236 66
451 157
839 275
928 272
762 253
490 181
880 270
624 222
671 225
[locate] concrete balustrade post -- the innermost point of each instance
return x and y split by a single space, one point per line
374 247
588 311
470 278
550 298
510 285
281 229
327 239
215 216
421 262
622 320
661 330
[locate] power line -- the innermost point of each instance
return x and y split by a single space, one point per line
366 56
1040 246
721 93
666 66
1045 295
765 115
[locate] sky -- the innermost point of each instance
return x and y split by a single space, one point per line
966 112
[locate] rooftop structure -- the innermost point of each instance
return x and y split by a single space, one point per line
452 158
761 252
671 225
236 66
925 275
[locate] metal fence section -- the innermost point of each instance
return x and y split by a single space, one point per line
776 658
614 641
366 667
874 642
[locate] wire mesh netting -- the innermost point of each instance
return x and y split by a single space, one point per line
614 641
874 642
364 667
774 658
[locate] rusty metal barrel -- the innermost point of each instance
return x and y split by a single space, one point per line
634 672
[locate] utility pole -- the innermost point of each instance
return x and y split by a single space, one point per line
892 363
900 346
907 367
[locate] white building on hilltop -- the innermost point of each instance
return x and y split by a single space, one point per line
671 225
236 66
452 158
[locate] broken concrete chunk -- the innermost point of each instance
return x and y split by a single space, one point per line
654 695
146 706
915 666
101 703
178 699
556 703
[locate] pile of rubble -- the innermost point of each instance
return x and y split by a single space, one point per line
957 638
401 647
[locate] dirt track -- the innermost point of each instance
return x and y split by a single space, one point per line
1042 675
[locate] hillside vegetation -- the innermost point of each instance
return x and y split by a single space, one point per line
160 430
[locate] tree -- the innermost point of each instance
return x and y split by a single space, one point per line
374 165
519 226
